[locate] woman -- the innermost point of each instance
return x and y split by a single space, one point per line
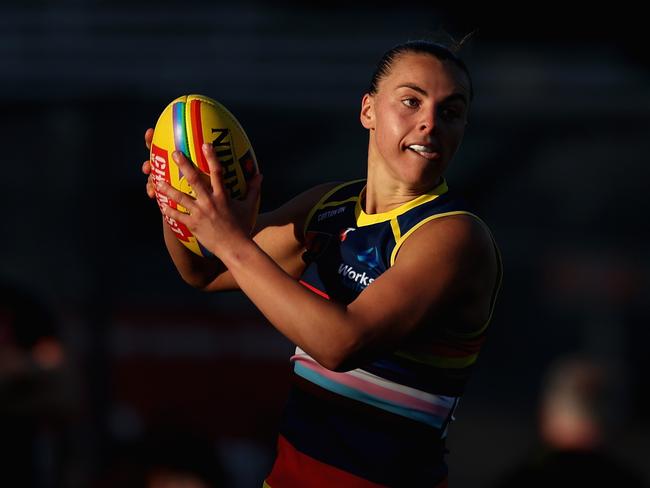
386 286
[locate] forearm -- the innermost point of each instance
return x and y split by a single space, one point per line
322 328
197 271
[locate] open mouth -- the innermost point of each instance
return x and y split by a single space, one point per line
426 151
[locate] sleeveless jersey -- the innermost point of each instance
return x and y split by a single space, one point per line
384 423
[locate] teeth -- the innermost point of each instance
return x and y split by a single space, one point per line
427 152
417 147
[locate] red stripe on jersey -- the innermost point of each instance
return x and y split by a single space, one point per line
293 469
315 290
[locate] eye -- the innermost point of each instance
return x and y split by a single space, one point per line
411 102
450 114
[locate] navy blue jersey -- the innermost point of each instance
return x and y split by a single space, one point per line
383 423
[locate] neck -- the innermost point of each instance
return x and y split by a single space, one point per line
383 192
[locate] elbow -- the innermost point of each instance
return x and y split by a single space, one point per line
342 358
205 283
333 363
205 280
345 346
196 281
328 358
360 351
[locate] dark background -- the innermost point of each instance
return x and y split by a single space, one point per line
555 160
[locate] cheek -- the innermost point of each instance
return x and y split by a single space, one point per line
454 133
389 130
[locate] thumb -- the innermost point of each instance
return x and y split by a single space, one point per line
148 137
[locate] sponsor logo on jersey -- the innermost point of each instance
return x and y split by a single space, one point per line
350 273
329 213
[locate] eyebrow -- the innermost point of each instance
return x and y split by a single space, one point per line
450 98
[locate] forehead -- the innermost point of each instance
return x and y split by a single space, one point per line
427 71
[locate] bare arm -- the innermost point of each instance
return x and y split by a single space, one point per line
277 233
425 282
454 279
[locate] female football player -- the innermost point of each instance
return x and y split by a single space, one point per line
385 285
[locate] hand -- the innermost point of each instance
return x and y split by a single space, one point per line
216 220
146 166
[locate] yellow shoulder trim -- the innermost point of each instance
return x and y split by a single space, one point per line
364 219
320 204
476 333
399 243
397 232
341 202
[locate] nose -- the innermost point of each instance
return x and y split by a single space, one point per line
428 122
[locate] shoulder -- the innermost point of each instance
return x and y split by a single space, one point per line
457 254
444 276
300 209
297 208
285 224
279 233
459 236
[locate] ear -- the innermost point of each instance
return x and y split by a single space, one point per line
367 115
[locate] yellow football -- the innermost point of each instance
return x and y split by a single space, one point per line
185 124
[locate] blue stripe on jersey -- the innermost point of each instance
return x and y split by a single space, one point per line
426 418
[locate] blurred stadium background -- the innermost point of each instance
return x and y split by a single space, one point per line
555 159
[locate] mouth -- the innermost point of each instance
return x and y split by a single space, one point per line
426 151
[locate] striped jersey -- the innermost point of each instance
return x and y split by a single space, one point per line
384 423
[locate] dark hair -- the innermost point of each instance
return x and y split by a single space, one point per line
435 49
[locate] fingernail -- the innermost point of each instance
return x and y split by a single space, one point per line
176 155
207 147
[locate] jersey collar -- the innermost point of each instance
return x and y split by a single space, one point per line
364 219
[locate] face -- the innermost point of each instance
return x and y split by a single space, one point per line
416 118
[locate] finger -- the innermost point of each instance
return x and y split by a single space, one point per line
179 197
151 191
190 172
174 214
148 137
216 170
149 187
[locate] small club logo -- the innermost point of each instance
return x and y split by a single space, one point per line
344 233
369 257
